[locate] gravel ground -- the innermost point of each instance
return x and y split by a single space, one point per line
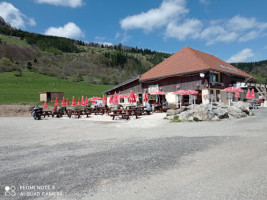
146 158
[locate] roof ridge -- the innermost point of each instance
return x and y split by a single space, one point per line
198 57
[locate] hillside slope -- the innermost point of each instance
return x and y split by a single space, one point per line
70 59
77 61
25 89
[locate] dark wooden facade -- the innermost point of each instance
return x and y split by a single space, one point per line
134 86
171 84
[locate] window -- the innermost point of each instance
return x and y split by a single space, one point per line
214 78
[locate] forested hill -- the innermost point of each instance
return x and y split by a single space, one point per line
257 69
79 61
71 59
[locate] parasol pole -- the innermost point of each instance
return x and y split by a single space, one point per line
181 102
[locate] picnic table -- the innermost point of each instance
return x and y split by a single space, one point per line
98 110
157 108
78 113
124 113
48 113
254 104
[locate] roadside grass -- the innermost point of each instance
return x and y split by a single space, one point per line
25 89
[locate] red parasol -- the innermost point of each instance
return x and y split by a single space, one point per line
252 94
56 102
237 94
63 102
45 105
145 97
83 102
122 96
110 99
104 101
95 99
73 103
79 102
115 99
248 96
86 100
181 92
158 93
233 89
67 102
132 98
192 92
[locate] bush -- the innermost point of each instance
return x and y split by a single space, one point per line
90 80
176 119
77 78
19 73
6 65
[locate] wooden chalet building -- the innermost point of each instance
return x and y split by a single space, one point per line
188 69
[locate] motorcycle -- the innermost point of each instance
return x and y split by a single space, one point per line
36 112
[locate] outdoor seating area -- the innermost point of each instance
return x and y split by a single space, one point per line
133 110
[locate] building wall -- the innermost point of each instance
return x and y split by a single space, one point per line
135 86
43 96
54 95
58 95
194 82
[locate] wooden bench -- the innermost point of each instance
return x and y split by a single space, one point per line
113 115
77 113
164 109
48 113
138 113
87 113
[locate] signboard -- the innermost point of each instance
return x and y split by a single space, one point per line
153 88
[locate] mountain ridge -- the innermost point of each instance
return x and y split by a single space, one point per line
77 60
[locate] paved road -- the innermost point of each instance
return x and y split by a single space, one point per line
75 159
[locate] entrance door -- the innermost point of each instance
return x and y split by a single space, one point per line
48 95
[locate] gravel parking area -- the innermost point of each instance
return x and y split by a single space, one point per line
145 158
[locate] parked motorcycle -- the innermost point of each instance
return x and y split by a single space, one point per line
36 112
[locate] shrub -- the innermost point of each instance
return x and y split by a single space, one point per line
6 65
176 119
77 78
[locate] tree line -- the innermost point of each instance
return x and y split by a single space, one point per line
258 69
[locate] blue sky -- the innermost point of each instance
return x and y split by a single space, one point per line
233 30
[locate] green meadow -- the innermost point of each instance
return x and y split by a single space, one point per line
25 89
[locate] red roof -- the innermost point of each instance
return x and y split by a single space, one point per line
189 60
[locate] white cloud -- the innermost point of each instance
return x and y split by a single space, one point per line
13 16
189 29
241 56
171 17
68 3
69 30
102 40
169 10
239 23
249 36
238 28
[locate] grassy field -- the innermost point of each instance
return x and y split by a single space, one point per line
25 89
